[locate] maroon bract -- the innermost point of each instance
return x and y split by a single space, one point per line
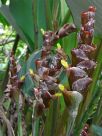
14 83
49 66
83 56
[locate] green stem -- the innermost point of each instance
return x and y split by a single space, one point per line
19 108
62 121
16 43
54 117
1 130
70 125
50 123
98 113
48 14
20 124
35 122
55 12
34 10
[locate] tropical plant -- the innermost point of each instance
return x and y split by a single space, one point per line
50 78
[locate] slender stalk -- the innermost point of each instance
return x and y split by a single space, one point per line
16 43
54 116
35 122
60 128
20 133
1 130
98 113
34 11
70 123
48 14
19 107
55 12
7 42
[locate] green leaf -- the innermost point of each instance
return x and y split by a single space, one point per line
39 21
1 130
48 14
3 20
69 43
52 116
3 1
19 124
21 10
30 64
78 6
5 11
6 104
97 130
64 12
56 14
20 15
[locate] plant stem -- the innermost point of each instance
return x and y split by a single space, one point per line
35 122
48 14
54 117
34 11
7 42
55 12
70 123
16 43
20 107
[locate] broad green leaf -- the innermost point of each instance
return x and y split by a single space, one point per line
64 10
69 43
78 6
97 130
3 1
7 14
39 20
20 15
21 10
30 64
3 20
